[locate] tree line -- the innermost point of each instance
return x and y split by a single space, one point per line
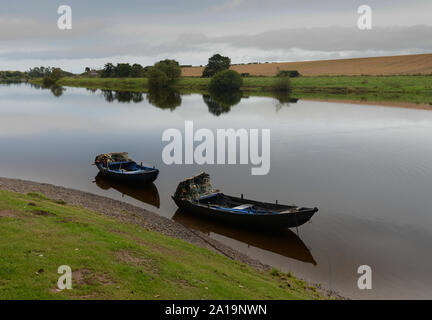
123 70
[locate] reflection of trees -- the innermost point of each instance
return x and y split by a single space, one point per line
283 100
56 90
108 95
122 96
137 97
164 98
219 103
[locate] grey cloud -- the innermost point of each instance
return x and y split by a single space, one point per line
277 45
16 29
335 39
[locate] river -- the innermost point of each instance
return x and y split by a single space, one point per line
368 169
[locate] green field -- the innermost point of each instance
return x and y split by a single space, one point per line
115 260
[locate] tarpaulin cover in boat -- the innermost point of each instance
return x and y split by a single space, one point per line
112 157
195 187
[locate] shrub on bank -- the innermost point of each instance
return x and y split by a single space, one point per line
164 73
288 73
226 80
53 77
157 78
282 84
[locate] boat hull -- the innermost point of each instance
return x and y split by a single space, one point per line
265 221
136 178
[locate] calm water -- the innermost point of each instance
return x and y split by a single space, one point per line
367 168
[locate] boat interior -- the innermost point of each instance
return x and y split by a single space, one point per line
127 166
224 202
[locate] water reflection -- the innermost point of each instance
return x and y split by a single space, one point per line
221 103
283 242
170 98
57 91
164 98
148 194
122 96
283 100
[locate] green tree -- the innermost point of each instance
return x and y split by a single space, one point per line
39 72
170 67
146 70
137 71
122 70
164 73
108 70
54 76
226 80
215 64
157 78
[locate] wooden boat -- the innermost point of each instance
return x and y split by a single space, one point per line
118 166
195 195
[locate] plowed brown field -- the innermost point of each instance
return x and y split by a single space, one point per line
393 65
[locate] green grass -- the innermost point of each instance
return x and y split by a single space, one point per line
115 260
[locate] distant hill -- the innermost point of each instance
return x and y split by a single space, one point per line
392 65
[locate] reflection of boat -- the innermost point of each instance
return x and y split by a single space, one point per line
119 167
147 193
196 195
282 242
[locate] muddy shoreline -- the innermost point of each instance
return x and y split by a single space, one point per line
131 214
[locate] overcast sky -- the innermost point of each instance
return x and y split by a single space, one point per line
145 31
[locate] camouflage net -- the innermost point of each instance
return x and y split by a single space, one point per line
112 157
195 187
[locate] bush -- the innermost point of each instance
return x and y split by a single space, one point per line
226 80
282 84
164 73
122 70
288 73
157 78
137 71
53 77
170 67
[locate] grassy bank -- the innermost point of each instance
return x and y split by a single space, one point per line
116 260
324 84
400 89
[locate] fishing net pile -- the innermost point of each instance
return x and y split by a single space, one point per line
112 157
195 187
